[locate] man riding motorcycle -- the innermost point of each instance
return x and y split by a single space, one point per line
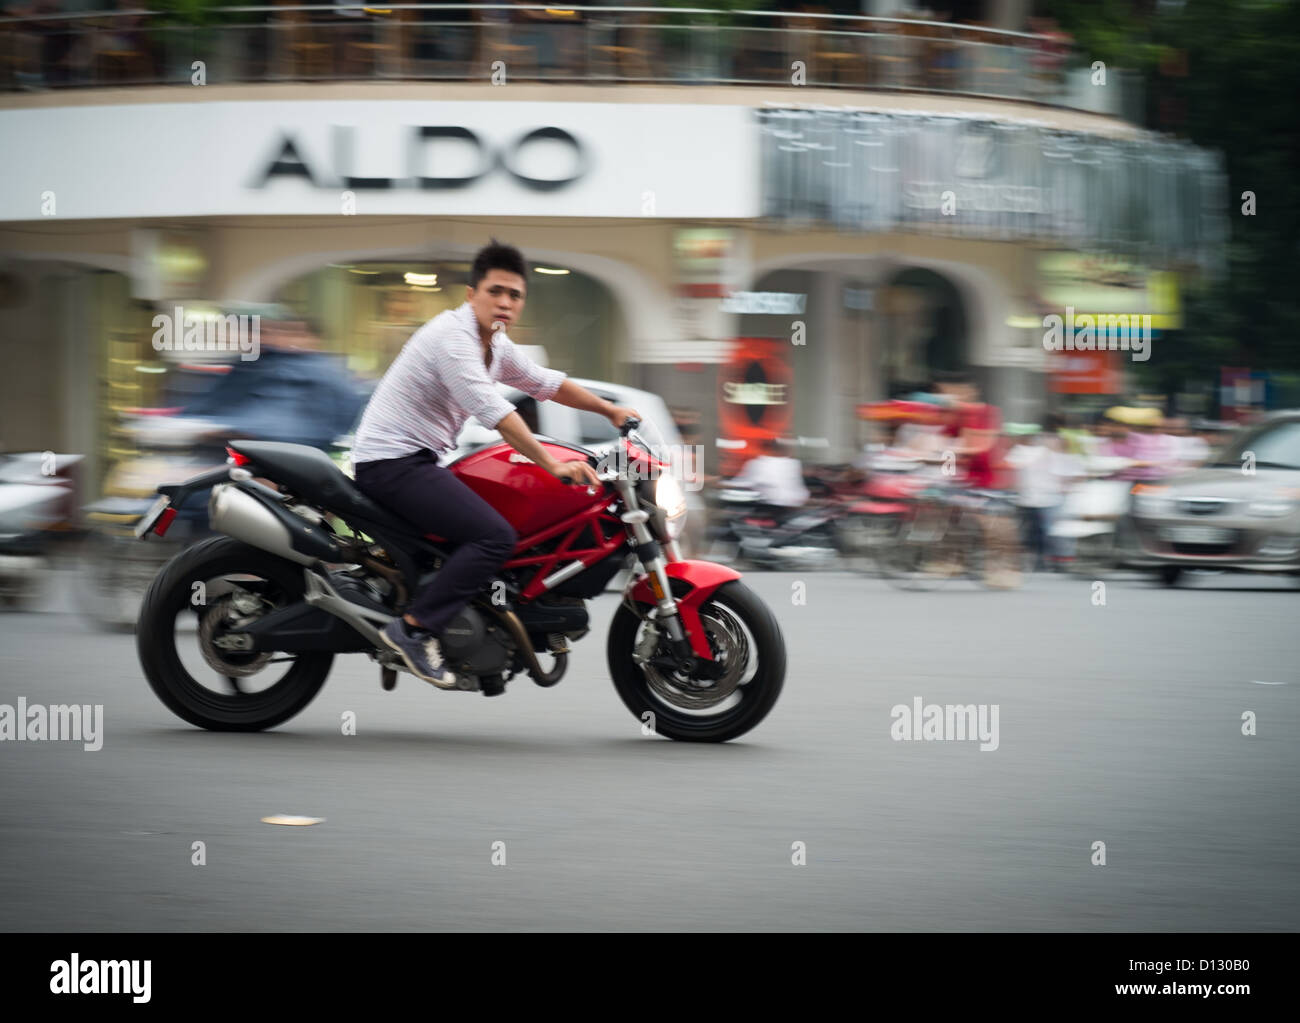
444 375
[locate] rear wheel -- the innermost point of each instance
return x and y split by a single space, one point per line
190 655
744 637
926 550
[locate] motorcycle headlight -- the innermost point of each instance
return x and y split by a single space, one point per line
1270 508
669 497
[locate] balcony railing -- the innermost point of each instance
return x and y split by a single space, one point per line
504 43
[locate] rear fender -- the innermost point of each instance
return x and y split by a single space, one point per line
693 584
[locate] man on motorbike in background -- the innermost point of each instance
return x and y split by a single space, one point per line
293 392
445 374
777 478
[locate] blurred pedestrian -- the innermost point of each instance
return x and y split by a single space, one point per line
1152 451
979 448
977 428
1043 470
1190 450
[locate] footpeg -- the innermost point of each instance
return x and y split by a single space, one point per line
388 679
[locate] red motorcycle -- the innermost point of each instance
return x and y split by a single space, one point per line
313 568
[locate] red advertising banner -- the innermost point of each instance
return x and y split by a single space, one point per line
1085 372
755 397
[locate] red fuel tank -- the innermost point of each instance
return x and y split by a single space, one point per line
527 496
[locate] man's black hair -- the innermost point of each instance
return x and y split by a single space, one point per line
495 256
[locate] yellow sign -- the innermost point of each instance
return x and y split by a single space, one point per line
1105 286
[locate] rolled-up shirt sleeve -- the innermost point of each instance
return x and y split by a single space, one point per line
467 379
518 370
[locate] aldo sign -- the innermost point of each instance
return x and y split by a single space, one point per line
426 146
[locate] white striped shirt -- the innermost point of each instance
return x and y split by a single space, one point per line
438 381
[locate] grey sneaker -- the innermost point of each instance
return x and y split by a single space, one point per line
420 651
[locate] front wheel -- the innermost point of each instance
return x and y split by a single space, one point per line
744 637
189 643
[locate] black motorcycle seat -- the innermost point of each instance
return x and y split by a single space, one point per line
309 473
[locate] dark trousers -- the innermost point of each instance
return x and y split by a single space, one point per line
1037 522
421 491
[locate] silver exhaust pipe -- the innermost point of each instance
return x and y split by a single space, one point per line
239 515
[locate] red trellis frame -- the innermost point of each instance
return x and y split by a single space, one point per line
566 552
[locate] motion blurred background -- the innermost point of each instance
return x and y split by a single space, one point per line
775 217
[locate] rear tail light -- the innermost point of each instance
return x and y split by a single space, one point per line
235 457
164 522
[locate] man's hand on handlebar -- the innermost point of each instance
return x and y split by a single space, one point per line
576 472
619 415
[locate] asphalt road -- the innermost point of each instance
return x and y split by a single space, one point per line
1118 723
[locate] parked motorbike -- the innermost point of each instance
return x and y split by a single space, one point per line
693 652
37 490
765 536
114 570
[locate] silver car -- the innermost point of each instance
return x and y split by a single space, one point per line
1241 511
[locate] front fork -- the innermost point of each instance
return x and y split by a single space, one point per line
653 560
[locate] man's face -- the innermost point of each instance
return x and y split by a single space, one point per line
499 298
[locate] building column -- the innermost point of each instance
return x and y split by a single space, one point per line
1008 14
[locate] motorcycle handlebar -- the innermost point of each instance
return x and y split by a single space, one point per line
629 424
604 477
